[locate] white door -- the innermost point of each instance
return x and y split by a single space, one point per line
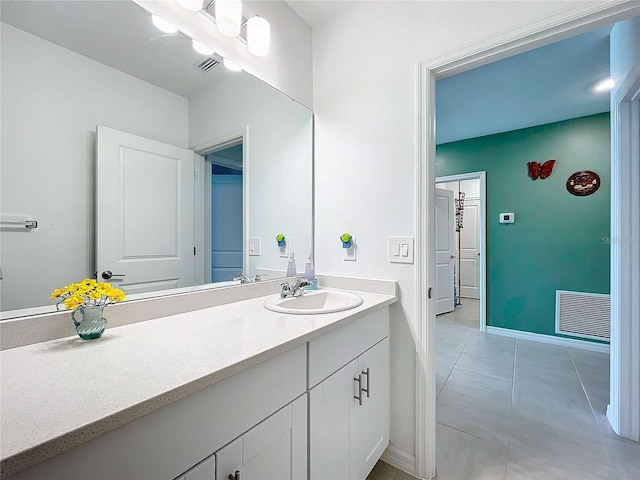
445 251
470 250
275 449
144 213
373 414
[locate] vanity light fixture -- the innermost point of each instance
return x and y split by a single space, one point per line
163 25
201 48
605 85
227 15
258 36
231 65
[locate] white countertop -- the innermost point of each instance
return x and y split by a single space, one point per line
58 394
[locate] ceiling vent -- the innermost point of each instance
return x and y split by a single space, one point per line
206 65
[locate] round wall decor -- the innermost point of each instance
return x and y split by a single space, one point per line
583 183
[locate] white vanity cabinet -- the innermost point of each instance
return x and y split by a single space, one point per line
177 441
276 449
317 411
349 410
205 470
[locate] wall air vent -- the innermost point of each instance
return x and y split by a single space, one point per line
206 65
586 315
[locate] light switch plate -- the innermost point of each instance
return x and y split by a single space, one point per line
401 249
255 246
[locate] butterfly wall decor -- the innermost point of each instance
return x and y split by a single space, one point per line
536 169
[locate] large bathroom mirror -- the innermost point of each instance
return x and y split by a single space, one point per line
71 66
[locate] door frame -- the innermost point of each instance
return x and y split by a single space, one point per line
482 177
569 22
202 223
623 411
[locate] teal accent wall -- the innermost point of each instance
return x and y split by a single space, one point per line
558 241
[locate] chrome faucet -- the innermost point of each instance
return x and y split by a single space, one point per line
243 278
293 291
246 279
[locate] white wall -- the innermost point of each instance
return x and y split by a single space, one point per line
52 99
288 66
365 70
279 166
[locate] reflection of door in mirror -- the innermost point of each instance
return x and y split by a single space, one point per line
226 213
61 78
144 213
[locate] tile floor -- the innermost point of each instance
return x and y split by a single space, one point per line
519 410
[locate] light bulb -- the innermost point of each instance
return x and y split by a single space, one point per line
162 25
201 48
231 65
258 36
605 85
191 5
228 17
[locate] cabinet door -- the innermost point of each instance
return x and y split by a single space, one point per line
373 414
275 449
332 426
205 470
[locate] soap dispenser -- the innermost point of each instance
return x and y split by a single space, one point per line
310 275
291 267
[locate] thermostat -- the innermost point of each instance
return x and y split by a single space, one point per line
507 217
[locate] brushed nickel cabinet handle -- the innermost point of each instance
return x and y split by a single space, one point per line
368 389
359 396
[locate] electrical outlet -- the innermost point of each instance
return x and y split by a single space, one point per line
350 253
284 251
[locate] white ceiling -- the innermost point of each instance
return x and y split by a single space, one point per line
545 85
316 12
119 34
548 84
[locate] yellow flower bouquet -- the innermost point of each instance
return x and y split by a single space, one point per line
88 293
88 299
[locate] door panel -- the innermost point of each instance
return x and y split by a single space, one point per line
445 248
144 212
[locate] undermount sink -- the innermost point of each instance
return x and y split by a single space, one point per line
314 302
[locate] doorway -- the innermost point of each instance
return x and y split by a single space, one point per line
469 191
429 71
224 211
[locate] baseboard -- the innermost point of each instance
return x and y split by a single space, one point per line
399 459
539 337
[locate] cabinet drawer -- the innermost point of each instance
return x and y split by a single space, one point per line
332 351
169 441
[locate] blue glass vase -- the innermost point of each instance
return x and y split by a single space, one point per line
89 322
